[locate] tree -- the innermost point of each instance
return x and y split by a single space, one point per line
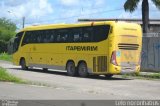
7 31
131 5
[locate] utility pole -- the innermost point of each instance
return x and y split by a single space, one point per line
23 22
23 18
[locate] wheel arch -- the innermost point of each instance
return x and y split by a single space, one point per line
81 61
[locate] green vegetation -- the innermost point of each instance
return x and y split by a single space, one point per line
6 57
4 76
143 76
132 5
7 31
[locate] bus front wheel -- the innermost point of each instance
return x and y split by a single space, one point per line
23 64
71 69
82 69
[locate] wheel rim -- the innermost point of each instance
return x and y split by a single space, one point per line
71 69
83 70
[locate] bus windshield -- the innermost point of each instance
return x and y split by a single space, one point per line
16 42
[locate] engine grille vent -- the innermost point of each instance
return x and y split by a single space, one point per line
125 46
100 64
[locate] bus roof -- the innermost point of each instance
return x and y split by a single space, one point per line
56 26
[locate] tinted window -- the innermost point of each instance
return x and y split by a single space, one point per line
87 35
17 41
46 36
26 39
101 33
76 35
32 37
49 36
62 35
68 35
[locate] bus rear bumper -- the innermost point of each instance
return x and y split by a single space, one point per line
130 70
124 70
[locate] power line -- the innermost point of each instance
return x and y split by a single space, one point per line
99 12
76 16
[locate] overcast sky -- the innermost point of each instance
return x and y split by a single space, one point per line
66 11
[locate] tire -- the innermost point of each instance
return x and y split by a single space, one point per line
45 69
83 70
71 69
23 65
109 75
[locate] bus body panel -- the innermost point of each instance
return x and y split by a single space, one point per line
128 43
49 55
97 55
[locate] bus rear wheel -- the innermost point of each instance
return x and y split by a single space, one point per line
109 75
45 69
82 69
23 64
71 69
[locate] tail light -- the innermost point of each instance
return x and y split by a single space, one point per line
113 58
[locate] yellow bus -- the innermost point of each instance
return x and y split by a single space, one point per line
98 48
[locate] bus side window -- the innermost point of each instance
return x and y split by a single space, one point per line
62 35
65 37
98 33
31 37
101 32
42 37
87 34
17 41
38 36
30 40
34 36
76 38
52 36
70 35
45 36
25 39
77 35
58 38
